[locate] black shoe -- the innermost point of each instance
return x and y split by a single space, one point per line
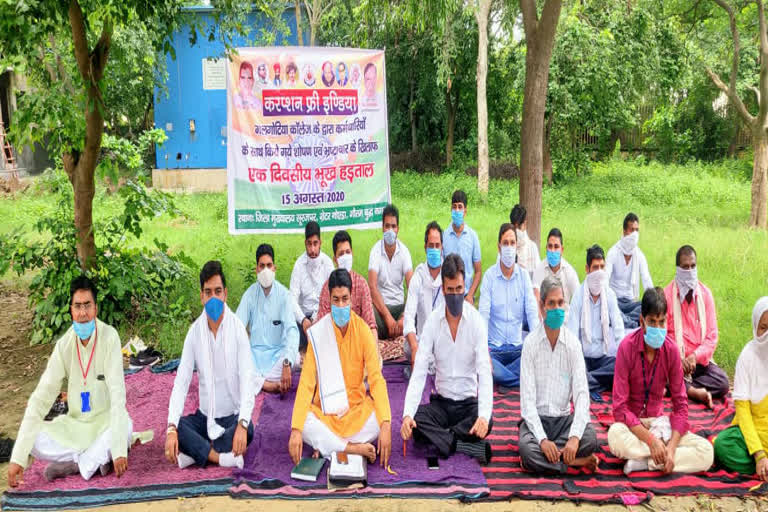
6 447
59 407
148 357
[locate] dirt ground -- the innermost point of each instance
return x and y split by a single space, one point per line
22 364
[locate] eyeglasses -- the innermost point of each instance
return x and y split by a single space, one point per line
82 306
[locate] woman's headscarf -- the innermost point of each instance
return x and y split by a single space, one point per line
760 307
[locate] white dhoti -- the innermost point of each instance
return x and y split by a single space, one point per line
88 461
321 438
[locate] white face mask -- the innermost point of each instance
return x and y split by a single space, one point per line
596 281
266 277
345 261
629 242
508 254
686 280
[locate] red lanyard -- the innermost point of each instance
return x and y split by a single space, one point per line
79 360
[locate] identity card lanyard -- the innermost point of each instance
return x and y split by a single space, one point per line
648 385
85 396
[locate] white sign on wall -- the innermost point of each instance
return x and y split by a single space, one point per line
214 74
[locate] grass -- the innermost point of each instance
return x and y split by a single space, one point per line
706 206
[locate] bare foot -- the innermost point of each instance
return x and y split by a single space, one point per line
316 454
271 387
701 395
367 450
590 463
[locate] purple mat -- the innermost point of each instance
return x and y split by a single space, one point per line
268 466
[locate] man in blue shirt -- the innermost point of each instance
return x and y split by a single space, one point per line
595 318
267 311
462 240
506 300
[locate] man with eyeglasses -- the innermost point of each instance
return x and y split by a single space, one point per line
96 432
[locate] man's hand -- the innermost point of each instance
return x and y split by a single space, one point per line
285 379
550 451
406 431
306 324
15 474
414 344
669 464
658 451
689 364
172 446
391 325
240 441
470 297
295 445
480 428
400 324
385 443
569 452
761 470
121 466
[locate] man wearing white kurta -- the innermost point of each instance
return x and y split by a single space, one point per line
97 428
217 346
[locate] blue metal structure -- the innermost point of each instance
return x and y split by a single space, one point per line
194 118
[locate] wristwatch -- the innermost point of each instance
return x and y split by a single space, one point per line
244 423
286 362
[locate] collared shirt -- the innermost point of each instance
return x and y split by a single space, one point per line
550 379
566 274
307 278
358 353
424 296
629 385
232 365
270 321
463 366
466 245
505 303
620 273
360 297
615 321
105 383
528 256
703 346
390 274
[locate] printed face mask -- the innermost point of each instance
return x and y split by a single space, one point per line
390 236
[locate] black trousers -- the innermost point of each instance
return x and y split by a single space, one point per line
557 429
442 422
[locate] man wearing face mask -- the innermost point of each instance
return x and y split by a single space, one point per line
217 347
96 432
595 318
556 266
527 250
333 412
626 266
506 303
692 324
425 295
266 310
389 267
462 240
458 417
360 292
552 376
647 363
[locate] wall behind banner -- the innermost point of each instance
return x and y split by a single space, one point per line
195 118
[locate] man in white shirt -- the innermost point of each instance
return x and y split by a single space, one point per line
217 346
595 319
458 417
425 294
309 273
527 249
389 266
552 375
626 266
555 265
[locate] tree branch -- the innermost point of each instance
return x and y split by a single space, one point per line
530 20
748 118
79 39
550 16
100 52
756 91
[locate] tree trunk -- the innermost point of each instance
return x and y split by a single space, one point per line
758 216
546 153
450 107
299 35
482 13
412 116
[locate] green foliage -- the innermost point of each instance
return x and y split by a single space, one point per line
133 282
125 158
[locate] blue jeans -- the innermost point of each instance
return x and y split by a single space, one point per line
600 373
630 312
193 436
505 362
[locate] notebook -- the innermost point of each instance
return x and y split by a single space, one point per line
308 469
354 470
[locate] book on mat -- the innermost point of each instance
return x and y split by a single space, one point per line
352 470
308 469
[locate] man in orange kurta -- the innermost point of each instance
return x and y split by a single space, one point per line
369 416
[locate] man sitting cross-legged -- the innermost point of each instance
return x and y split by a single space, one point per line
552 376
458 417
647 363
217 346
333 412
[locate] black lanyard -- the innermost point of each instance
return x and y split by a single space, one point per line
647 385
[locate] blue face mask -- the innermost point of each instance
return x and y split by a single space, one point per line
553 258
655 336
84 330
214 308
434 257
340 315
555 318
457 216
390 236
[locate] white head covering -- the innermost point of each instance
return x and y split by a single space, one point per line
761 306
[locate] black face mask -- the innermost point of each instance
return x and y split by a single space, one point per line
455 303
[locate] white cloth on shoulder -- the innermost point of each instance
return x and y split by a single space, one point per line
586 317
330 376
678 316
